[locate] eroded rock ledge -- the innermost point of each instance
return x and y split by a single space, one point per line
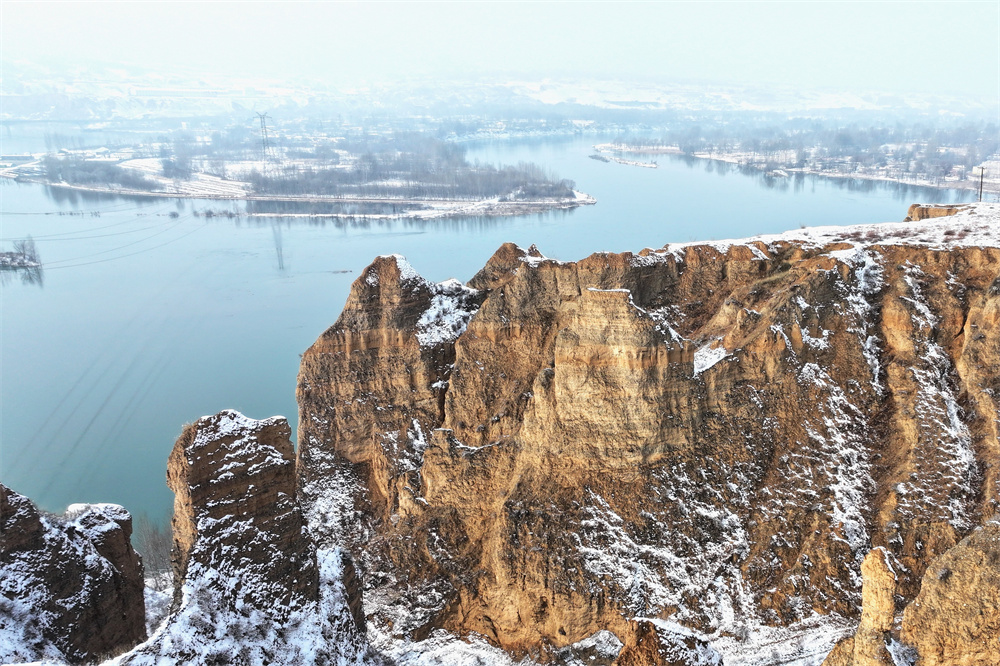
71 587
715 434
250 586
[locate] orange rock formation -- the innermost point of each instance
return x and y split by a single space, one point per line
715 434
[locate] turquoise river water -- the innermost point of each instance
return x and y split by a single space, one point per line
151 314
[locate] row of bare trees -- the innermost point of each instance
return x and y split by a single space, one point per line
915 150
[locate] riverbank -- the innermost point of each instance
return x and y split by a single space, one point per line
744 159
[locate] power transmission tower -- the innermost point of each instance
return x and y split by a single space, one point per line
265 145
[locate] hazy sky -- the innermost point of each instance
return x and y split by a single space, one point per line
908 47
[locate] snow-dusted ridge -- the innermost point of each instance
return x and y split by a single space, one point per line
977 225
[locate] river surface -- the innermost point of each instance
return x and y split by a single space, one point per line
151 314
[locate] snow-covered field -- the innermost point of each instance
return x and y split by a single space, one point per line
976 225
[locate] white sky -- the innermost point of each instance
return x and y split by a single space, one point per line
913 47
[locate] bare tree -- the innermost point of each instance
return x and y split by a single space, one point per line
153 541
26 248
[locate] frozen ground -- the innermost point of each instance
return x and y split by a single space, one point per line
976 225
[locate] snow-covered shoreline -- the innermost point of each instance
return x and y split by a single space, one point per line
608 150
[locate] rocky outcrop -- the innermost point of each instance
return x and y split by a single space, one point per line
955 620
919 212
714 434
233 480
71 587
878 610
868 647
250 585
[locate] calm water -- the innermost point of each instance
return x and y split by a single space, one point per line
147 320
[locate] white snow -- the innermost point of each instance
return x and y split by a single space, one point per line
943 437
977 225
603 642
841 456
673 647
444 649
231 423
901 655
452 306
868 281
536 260
157 608
707 356
202 632
75 510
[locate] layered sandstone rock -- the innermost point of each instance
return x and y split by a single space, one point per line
71 587
868 647
955 620
714 434
919 212
249 585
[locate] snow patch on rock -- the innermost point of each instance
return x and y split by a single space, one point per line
707 356
202 632
452 306
978 225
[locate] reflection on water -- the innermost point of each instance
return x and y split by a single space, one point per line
255 214
276 233
796 181
30 275
23 260
330 208
66 196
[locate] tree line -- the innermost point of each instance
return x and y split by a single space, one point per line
385 176
913 150
78 171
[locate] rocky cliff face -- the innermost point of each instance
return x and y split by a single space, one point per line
954 620
250 585
715 434
71 587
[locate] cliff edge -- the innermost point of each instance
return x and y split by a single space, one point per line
711 434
